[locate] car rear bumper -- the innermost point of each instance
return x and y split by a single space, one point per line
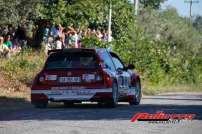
71 95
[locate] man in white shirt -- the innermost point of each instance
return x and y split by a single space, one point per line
58 43
4 50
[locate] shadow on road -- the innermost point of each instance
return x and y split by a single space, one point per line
178 96
168 98
92 111
12 104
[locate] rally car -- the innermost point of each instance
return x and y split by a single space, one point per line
78 75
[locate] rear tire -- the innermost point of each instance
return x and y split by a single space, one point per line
114 101
137 99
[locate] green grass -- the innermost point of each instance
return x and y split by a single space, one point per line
154 90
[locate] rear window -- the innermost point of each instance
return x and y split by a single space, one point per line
76 60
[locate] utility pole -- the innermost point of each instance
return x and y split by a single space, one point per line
190 7
136 2
110 22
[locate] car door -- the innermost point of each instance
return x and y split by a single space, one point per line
122 73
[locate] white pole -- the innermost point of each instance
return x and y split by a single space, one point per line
136 7
110 23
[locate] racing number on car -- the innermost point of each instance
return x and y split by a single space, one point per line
126 81
121 81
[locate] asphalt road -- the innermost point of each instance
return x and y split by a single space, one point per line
92 119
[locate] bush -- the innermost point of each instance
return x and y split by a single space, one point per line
22 67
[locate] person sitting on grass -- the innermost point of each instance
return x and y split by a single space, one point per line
8 42
4 50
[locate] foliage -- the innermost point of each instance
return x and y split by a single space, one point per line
174 47
155 4
165 48
22 67
198 23
16 12
83 14
92 42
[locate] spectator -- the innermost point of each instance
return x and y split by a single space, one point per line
62 36
105 36
4 50
8 42
89 32
11 31
16 46
60 29
4 31
99 35
66 37
53 31
73 38
20 35
46 32
58 43
79 34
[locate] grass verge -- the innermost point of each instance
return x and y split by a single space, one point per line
154 90
16 75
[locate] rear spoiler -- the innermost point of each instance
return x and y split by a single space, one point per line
54 51
71 50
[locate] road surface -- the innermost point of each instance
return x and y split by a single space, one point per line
92 119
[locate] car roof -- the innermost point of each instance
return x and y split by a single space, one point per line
75 50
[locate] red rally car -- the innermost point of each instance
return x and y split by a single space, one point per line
77 75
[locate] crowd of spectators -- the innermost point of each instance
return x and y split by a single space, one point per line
59 37
13 40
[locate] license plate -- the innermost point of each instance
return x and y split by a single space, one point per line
51 77
72 92
69 79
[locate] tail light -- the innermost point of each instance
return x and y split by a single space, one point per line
107 80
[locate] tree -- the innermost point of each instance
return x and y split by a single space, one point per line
18 11
198 23
92 13
155 4
174 46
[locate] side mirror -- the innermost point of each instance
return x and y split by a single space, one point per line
120 70
130 66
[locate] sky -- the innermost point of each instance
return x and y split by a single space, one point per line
183 8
